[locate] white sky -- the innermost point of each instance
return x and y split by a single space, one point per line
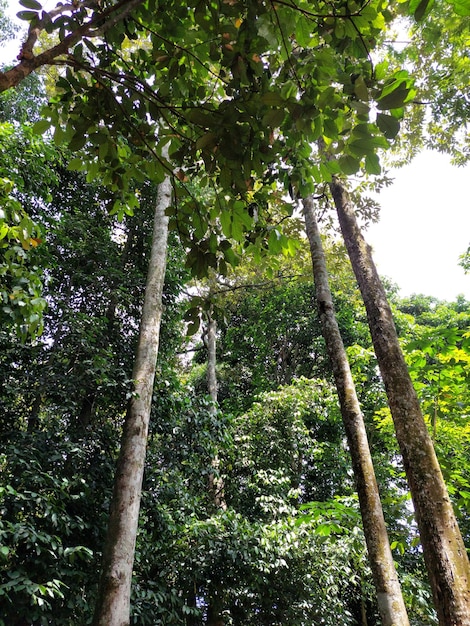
424 227
424 224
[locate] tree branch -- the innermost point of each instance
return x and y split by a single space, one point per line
95 27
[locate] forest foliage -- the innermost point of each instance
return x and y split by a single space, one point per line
260 105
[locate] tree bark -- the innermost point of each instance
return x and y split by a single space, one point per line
389 597
211 345
444 551
113 602
214 612
216 482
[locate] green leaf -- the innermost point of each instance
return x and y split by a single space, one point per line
154 170
388 124
272 99
237 230
381 70
303 32
398 545
273 118
362 108
274 242
324 530
200 225
77 142
76 164
4 551
367 145
360 89
372 164
349 165
395 99
330 128
31 4
231 257
41 126
226 223
461 7
208 140
420 8
27 16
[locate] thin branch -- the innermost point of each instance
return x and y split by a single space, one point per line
185 50
262 285
363 42
310 14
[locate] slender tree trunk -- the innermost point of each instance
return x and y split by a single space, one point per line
33 418
389 597
214 612
216 482
211 346
444 551
113 603
87 409
192 620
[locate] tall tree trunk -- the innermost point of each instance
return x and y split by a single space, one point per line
211 345
113 603
33 417
216 482
444 551
389 597
214 611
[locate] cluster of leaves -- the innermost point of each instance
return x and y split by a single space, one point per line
239 91
270 332
52 519
26 174
264 564
56 470
7 28
438 356
20 285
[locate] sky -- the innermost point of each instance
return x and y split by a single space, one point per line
424 227
424 222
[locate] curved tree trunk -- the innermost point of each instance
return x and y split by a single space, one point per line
389 597
444 551
113 603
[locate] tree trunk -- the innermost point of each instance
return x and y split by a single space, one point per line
113 603
389 597
211 336
444 551
33 418
214 612
216 482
